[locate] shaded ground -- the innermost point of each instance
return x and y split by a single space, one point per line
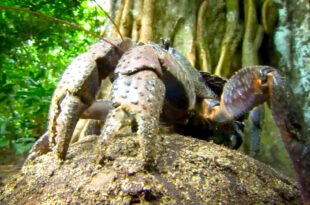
10 164
187 171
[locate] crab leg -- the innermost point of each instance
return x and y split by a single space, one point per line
75 93
137 95
295 135
256 117
98 110
71 107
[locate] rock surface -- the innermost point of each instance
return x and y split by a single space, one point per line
185 171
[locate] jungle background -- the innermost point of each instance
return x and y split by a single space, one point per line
215 35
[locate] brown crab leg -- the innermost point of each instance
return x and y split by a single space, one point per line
295 136
98 110
75 92
256 117
71 106
137 96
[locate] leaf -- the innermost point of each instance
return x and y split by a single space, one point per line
22 148
34 52
4 142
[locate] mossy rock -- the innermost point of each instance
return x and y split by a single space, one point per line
185 171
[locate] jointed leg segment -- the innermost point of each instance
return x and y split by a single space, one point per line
138 98
62 129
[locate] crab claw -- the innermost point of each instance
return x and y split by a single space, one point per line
245 90
254 85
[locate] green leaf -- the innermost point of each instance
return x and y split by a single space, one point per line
34 53
4 142
22 148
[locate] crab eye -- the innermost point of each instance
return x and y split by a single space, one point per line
264 72
166 42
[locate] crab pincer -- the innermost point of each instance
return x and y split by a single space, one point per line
254 85
245 90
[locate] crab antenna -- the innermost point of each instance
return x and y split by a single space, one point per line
110 18
54 19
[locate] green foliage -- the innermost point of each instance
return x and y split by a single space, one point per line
34 52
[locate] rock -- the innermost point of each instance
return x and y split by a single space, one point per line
185 171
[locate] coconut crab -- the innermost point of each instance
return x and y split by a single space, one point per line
154 83
150 83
